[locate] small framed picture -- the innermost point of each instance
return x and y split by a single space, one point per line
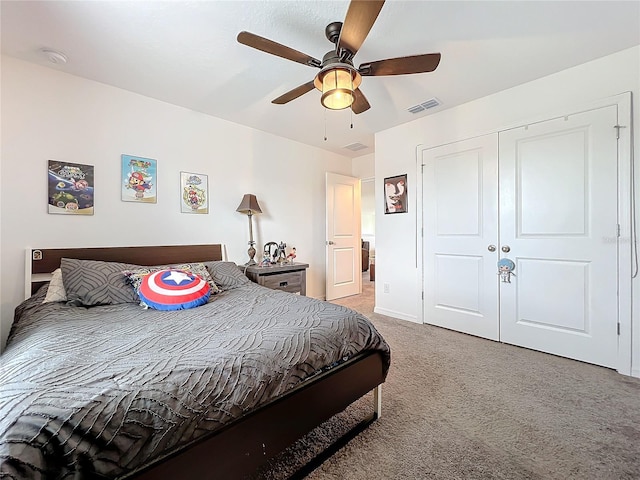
194 191
395 194
70 188
139 179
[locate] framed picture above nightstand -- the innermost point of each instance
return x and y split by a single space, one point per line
289 277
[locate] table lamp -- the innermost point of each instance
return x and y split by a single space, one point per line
249 205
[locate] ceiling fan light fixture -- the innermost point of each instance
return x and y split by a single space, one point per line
337 85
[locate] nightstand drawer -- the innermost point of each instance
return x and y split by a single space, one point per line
289 281
289 277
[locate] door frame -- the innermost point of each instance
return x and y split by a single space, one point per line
625 211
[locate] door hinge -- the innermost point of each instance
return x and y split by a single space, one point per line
423 295
618 230
618 328
618 127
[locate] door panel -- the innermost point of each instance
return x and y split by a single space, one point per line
343 260
460 222
458 184
558 205
343 236
552 193
551 278
457 283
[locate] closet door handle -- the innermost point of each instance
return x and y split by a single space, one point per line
506 248
491 248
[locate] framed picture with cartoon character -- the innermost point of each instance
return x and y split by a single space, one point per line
70 188
194 192
139 179
395 194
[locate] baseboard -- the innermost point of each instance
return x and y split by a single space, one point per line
635 372
394 314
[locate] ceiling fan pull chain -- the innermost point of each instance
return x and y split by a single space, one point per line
353 100
325 124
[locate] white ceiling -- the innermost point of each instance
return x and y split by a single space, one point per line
185 53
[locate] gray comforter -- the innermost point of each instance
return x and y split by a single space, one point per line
106 390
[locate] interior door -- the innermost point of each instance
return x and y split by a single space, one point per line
344 261
460 202
558 224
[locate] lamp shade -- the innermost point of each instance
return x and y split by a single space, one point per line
249 205
337 84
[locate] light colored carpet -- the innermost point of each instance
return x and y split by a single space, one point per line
461 407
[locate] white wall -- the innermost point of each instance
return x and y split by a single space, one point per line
396 240
49 115
363 166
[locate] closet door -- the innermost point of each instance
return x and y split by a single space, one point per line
558 221
460 203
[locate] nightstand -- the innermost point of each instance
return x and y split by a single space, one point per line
290 277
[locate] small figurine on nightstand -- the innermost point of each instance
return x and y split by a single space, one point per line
282 255
292 255
266 261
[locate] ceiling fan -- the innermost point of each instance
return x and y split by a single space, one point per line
338 79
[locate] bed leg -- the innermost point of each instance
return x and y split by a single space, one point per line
377 402
343 440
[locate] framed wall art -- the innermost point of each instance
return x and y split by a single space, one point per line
395 194
70 188
139 179
194 191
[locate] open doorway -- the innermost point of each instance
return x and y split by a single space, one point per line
368 229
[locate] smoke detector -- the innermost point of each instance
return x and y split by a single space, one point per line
54 56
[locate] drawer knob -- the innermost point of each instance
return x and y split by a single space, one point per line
284 284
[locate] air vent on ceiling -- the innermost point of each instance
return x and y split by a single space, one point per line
431 103
355 146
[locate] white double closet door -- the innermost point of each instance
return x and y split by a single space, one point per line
544 196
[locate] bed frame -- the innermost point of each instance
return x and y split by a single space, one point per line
240 448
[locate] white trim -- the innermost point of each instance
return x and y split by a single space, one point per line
420 232
399 315
623 102
625 339
27 273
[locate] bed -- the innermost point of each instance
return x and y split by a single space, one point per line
114 390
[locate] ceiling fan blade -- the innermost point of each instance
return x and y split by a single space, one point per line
293 94
360 103
401 65
360 17
274 48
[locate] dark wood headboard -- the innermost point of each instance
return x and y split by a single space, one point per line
40 262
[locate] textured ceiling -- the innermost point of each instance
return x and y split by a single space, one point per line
186 53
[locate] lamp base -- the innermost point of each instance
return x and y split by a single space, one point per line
252 253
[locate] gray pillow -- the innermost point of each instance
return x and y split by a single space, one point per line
227 275
93 282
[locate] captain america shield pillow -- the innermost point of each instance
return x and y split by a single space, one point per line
173 290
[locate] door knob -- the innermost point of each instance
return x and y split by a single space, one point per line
330 243
491 248
506 248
